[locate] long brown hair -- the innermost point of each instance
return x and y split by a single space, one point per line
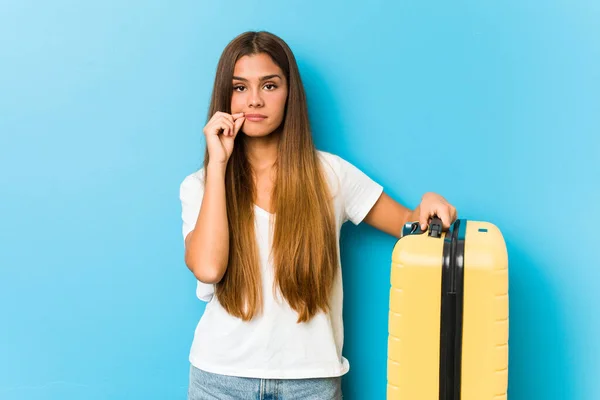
304 249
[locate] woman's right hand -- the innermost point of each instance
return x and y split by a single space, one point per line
220 133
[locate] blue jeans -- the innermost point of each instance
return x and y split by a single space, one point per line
208 386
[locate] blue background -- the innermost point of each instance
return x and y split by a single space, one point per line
495 105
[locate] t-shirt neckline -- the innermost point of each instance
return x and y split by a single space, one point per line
262 211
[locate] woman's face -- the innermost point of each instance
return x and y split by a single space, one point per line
260 92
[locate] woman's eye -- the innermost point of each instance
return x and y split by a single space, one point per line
239 88
270 86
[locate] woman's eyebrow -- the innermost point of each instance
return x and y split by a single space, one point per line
264 78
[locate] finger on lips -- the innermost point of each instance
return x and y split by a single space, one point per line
227 118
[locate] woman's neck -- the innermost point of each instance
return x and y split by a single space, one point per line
262 152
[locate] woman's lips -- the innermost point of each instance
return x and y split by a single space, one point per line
255 117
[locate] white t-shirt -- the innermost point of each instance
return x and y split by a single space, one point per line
273 345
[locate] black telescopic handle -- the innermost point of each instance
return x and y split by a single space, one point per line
435 227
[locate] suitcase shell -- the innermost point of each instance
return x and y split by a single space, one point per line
448 314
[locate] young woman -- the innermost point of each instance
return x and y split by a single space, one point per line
261 224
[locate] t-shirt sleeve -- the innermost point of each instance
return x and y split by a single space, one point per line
191 192
359 191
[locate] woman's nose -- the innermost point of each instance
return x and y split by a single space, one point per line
255 100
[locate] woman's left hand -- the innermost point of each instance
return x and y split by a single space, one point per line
433 204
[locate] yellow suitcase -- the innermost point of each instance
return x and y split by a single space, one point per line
448 316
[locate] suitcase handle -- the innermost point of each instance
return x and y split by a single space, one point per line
436 227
